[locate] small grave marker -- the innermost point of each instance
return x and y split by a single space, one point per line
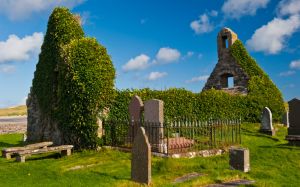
285 119
154 118
141 158
266 122
294 122
239 159
135 113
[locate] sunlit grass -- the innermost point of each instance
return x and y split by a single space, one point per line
273 163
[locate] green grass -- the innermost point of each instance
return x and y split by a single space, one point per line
273 163
14 111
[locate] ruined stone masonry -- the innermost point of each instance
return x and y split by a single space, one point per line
227 67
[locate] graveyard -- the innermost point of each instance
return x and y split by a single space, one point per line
273 163
79 129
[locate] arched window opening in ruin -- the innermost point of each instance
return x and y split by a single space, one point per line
227 81
225 42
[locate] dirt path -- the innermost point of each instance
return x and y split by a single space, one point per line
13 124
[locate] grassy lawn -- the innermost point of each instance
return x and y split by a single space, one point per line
273 163
13 111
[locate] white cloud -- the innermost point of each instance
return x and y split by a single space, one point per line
213 13
138 63
7 69
198 79
202 25
295 64
189 54
167 55
20 49
287 73
288 7
156 75
238 8
22 9
271 38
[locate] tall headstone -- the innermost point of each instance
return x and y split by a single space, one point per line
266 122
285 119
154 119
141 158
239 159
294 120
135 114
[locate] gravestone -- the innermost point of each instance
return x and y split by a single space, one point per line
294 119
154 119
285 119
239 159
141 158
135 114
266 122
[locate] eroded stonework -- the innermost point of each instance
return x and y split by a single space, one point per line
227 67
40 127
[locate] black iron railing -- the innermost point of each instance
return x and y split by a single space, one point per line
175 137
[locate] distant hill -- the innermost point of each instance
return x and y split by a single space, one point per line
14 111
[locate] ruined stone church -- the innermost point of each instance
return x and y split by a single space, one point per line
227 75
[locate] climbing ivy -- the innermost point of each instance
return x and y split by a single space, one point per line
62 28
86 81
262 91
180 103
73 81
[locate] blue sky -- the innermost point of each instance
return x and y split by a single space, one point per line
156 43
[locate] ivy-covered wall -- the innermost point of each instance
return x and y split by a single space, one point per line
73 83
180 103
262 92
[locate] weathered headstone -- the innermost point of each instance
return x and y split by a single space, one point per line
266 122
135 114
141 158
239 159
285 119
154 119
294 120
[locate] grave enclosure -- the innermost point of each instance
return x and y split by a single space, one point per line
170 138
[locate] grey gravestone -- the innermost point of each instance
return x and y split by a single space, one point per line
285 119
135 113
154 119
294 120
239 159
141 158
266 122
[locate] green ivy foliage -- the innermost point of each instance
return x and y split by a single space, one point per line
62 28
180 103
262 92
86 87
74 80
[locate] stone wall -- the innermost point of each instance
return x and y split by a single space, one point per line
40 126
227 66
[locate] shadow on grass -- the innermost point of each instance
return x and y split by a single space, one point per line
111 176
258 134
282 146
6 145
43 157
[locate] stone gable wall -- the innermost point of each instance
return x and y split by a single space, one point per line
227 66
